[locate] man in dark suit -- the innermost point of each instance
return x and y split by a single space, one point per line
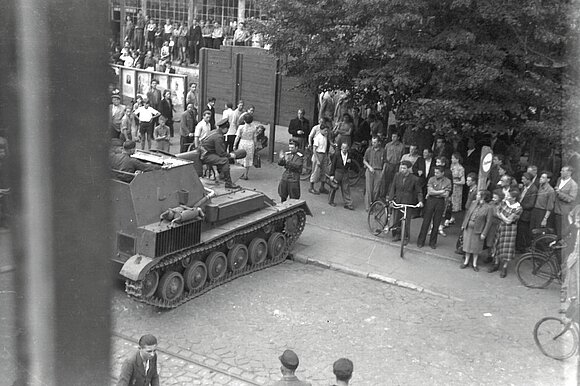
566 192
299 128
140 369
194 39
210 107
341 163
527 201
405 189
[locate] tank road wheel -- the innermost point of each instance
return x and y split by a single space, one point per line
276 245
257 250
291 224
171 286
237 257
217 265
195 275
150 284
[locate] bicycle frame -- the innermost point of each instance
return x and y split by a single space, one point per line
403 221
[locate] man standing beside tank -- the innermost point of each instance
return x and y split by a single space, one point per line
216 154
292 160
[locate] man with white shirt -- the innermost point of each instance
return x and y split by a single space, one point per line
566 191
146 114
319 160
140 369
341 164
202 129
231 133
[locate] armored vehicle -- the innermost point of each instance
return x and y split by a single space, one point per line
178 236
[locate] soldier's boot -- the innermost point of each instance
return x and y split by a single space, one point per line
228 179
331 197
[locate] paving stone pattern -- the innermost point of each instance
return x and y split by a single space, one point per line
393 335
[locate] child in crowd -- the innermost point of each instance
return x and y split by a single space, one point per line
161 135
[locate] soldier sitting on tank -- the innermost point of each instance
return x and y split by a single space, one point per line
125 163
213 152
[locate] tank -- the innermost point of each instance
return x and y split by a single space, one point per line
178 237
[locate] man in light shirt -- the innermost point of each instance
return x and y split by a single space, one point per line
319 160
203 128
146 115
566 191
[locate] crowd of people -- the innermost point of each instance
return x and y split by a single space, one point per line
140 368
441 178
156 44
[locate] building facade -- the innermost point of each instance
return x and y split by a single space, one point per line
225 12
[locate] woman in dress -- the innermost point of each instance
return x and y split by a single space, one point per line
246 138
475 227
458 174
508 212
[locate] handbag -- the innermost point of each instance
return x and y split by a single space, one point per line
257 161
459 244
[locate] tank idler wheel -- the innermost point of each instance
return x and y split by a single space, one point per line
230 243
171 286
276 245
291 224
268 228
195 275
217 265
257 250
150 284
237 257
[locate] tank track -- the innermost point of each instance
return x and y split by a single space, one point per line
134 288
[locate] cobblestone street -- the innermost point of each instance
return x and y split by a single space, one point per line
393 335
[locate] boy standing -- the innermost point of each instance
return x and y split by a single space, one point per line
161 135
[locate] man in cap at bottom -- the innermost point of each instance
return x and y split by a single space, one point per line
342 370
292 160
289 361
214 152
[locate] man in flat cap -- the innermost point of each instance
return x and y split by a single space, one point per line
289 361
292 160
116 113
214 152
342 370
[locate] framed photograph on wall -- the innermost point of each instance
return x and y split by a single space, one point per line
177 87
128 83
162 84
143 83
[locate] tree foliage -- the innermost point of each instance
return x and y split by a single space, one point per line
453 66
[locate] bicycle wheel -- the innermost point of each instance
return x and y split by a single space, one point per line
555 338
377 217
355 172
534 270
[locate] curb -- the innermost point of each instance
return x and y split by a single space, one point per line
369 275
386 242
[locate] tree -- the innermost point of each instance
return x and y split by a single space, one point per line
453 66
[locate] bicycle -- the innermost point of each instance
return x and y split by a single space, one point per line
539 267
380 219
557 338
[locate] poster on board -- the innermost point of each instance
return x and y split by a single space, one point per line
143 82
162 84
177 87
128 83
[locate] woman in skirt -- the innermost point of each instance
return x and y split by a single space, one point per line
458 173
475 227
246 138
508 212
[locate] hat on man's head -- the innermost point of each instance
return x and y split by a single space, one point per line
342 368
289 359
293 142
222 122
528 176
408 164
129 145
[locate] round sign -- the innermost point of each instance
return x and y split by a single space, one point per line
486 164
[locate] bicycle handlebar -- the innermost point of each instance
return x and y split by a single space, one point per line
400 206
